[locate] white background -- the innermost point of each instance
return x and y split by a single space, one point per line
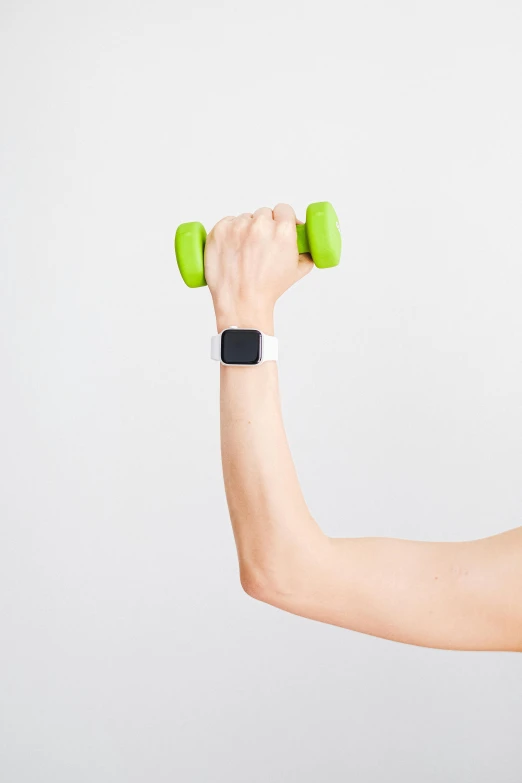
128 651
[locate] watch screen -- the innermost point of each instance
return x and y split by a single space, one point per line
241 346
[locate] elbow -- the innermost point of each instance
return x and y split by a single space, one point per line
284 571
265 568
262 584
274 578
285 577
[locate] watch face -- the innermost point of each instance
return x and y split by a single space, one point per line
241 346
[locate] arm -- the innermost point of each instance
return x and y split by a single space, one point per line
449 595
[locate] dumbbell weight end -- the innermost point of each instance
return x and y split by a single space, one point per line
189 246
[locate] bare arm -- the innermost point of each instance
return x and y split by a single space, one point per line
449 595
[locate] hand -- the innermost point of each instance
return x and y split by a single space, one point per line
250 261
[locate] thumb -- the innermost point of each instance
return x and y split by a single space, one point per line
304 266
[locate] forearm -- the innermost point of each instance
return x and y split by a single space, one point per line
272 526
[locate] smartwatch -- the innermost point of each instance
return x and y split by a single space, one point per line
243 347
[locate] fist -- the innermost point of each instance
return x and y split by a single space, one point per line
250 260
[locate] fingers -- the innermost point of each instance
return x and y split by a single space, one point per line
263 212
280 213
283 213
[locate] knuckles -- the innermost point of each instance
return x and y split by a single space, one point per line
261 224
222 227
285 228
243 227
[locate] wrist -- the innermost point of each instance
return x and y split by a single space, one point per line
248 318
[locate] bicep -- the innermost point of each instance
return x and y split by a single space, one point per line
449 595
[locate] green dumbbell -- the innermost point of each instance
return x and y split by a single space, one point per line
320 236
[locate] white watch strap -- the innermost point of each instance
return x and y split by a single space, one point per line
215 347
269 347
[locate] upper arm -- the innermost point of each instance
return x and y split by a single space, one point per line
465 595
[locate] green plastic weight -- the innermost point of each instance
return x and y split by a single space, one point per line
320 236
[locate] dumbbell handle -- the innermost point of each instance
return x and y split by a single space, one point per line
303 246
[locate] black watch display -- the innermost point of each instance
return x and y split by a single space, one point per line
241 346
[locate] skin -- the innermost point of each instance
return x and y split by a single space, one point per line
459 596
